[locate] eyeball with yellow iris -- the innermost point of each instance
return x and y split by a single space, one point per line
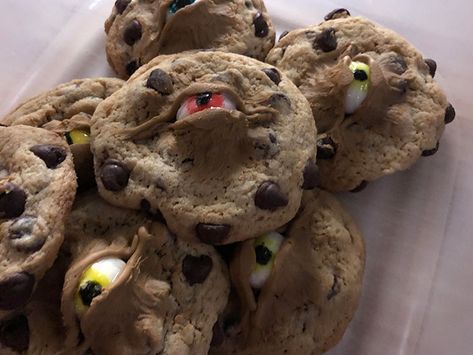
266 249
78 136
176 5
358 89
95 279
204 101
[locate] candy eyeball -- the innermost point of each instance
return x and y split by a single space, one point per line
176 5
266 249
78 136
204 101
95 279
358 89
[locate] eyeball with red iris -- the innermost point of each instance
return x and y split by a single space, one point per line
266 249
176 5
204 101
358 89
95 279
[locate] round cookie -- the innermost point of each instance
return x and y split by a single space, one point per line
37 188
138 31
138 290
215 141
374 100
66 110
297 289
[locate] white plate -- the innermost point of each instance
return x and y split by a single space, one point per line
417 224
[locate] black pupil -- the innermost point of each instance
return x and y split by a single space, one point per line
203 99
263 255
360 75
89 291
69 139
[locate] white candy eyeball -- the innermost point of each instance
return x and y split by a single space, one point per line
358 89
266 249
204 101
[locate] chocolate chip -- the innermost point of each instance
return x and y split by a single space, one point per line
218 335
12 201
132 33
337 13
326 148
311 175
22 237
261 26
432 67
450 114
360 187
272 138
398 65
196 268
114 175
131 67
160 81
263 255
15 333
89 291
284 34
430 152
280 102
212 233
50 154
326 40
121 5
153 214
16 290
270 197
273 74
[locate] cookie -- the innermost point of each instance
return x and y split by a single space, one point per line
374 100
66 110
298 288
138 290
37 188
138 31
216 142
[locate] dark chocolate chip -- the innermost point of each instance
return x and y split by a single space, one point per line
15 333
16 290
132 33
398 65
160 81
326 148
89 291
263 254
402 86
279 101
131 67
218 335
432 67
273 138
121 5
212 233
430 152
326 40
450 114
270 197
336 14
261 26
335 289
360 187
196 268
22 236
151 213
284 34
273 74
50 154
114 175
12 201
311 175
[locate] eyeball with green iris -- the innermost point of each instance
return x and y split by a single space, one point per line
97 277
176 5
358 89
266 249
78 136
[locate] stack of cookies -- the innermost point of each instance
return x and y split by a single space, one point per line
187 210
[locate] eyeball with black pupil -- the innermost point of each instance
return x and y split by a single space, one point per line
266 249
95 279
78 136
358 89
204 101
176 5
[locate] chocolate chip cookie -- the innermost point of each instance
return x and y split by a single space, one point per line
374 100
298 287
137 31
37 188
138 290
216 142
